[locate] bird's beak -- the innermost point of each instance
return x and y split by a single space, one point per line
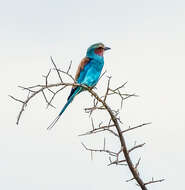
106 48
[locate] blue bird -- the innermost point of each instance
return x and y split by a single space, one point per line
88 73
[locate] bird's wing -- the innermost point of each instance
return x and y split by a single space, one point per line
81 66
80 74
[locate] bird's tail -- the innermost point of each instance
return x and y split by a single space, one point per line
77 90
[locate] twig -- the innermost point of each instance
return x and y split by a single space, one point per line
107 91
99 129
130 179
102 75
16 99
46 77
56 70
117 162
48 103
67 73
69 67
154 181
138 162
136 127
111 153
135 147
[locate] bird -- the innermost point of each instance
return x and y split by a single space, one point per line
87 74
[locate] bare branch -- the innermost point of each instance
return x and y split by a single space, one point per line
92 122
34 93
99 129
56 70
111 153
48 103
46 77
136 127
16 99
54 94
138 162
122 141
104 144
69 67
102 75
130 179
135 147
123 85
99 103
116 162
24 88
107 91
67 74
154 181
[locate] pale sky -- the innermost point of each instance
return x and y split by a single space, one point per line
148 44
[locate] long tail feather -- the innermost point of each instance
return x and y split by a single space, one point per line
77 90
54 122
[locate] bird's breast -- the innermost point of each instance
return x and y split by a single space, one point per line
97 65
94 69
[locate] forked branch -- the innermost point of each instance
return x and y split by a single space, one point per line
99 103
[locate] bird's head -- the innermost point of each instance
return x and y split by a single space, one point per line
97 49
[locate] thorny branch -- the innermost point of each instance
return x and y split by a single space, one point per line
99 103
154 181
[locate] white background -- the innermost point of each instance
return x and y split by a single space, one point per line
148 45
